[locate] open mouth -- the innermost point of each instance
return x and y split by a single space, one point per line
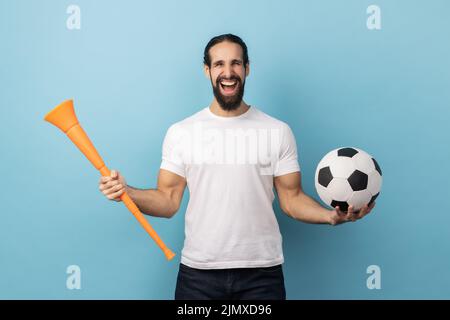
228 87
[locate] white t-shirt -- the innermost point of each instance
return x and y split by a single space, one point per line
229 164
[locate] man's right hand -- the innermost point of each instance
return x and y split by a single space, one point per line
113 186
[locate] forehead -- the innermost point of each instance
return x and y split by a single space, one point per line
225 51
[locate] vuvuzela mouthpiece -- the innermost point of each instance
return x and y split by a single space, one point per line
169 254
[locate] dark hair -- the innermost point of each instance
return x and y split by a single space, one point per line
222 38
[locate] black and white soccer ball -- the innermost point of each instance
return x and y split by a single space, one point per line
348 176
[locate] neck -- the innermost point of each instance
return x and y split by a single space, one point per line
217 109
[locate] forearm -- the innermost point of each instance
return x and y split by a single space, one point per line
304 208
152 202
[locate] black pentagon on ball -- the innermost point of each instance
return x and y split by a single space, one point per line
325 176
343 205
373 199
347 152
377 167
358 180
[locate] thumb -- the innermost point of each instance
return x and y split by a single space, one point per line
113 174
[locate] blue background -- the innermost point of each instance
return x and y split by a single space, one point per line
135 67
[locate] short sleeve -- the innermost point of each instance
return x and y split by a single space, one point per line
288 158
172 152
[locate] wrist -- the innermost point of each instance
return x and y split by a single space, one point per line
328 217
128 190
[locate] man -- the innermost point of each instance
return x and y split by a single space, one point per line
230 155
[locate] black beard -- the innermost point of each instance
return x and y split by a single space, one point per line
229 103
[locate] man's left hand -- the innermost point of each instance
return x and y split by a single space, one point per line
339 217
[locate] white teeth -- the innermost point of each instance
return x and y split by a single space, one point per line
228 83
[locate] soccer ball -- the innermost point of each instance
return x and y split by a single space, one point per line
348 176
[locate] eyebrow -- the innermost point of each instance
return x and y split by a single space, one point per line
221 61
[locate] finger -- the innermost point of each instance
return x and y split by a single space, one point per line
364 211
113 189
361 213
350 210
107 185
114 174
336 216
104 183
115 195
111 184
349 213
338 211
104 179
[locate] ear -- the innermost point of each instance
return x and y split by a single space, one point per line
206 71
247 69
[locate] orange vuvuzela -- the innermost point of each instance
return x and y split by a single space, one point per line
64 117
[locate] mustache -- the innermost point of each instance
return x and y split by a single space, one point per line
233 77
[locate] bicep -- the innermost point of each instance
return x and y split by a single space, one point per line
288 185
172 185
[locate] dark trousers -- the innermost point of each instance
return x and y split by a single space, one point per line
230 284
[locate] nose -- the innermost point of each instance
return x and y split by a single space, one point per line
227 71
